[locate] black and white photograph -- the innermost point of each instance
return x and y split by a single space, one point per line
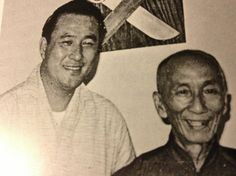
117 88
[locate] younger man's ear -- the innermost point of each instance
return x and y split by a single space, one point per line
227 107
43 47
161 110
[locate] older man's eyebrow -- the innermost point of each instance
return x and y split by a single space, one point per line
177 85
211 82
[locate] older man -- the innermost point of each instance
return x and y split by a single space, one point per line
192 97
66 128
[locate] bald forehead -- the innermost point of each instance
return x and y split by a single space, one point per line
189 62
185 62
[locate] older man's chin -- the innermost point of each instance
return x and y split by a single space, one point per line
199 137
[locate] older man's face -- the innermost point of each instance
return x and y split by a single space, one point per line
73 50
194 102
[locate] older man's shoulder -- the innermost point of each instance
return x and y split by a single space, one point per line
229 154
149 161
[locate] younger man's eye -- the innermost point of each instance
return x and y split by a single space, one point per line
67 43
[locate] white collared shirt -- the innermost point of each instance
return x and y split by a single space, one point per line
92 139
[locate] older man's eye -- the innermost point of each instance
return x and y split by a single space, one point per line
183 92
213 91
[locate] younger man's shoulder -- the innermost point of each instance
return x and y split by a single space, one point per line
12 93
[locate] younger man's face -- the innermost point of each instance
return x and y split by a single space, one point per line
73 50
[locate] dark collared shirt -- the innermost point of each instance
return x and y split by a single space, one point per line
171 160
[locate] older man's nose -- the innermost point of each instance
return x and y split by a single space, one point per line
198 105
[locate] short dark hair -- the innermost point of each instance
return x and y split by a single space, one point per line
82 7
199 56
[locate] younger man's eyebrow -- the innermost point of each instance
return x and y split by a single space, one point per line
92 36
66 35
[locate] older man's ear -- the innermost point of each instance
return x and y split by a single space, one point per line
161 110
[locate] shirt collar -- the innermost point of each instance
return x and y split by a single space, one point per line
35 81
181 156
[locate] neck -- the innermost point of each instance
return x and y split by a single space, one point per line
58 97
198 152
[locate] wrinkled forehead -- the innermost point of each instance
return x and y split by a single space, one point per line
188 67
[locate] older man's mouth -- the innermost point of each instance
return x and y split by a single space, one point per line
198 124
